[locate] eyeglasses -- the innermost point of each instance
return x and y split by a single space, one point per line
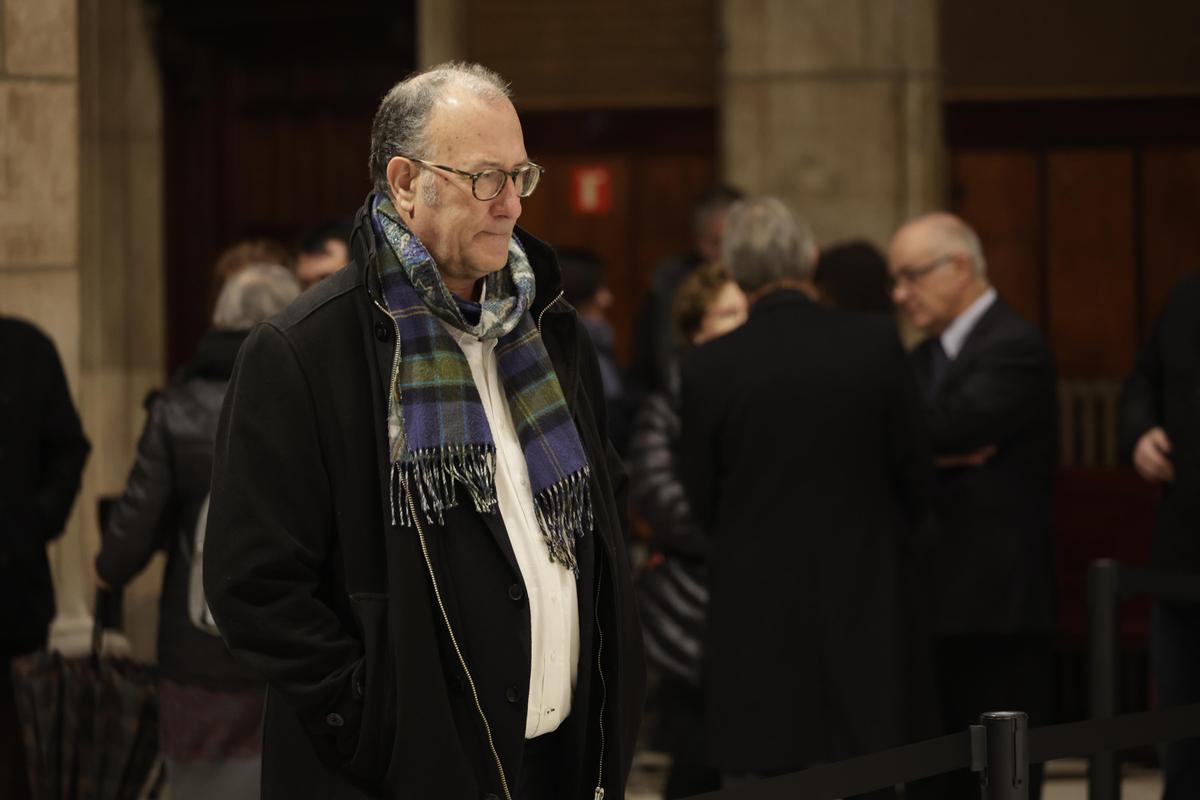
910 275
489 183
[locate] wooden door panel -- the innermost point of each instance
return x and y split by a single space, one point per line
997 193
1171 220
1091 280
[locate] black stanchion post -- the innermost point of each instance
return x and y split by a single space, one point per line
1103 588
1005 773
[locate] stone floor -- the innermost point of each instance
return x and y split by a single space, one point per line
1065 780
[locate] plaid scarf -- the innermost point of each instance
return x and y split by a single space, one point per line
438 434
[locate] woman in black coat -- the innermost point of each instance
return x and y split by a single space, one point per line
673 586
210 707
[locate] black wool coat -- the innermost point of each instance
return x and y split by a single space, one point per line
316 589
804 455
42 453
991 569
1164 390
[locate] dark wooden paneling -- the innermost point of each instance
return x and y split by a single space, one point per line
996 192
548 214
650 219
665 189
1091 282
1073 123
1171 210
267 113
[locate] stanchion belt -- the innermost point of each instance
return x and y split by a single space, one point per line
859 775
950 753
1113 733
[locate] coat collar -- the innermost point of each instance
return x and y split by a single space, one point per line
780 298
979 334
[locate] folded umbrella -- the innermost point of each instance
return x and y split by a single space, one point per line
90 724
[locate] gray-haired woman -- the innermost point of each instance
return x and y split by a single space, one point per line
210 708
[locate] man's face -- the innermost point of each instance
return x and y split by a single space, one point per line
314 267
929 284
708 238
468 238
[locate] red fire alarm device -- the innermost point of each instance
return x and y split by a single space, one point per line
591 189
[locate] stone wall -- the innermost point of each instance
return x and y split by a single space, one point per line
834 106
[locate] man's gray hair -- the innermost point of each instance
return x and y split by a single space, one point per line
766 243
402 121
254 294
952 236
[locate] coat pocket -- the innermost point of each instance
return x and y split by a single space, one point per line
373 686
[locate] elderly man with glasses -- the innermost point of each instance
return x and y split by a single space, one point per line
416 529
989 391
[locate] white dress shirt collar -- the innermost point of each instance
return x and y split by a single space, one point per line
956 332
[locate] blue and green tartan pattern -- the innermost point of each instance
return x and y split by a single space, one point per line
439 438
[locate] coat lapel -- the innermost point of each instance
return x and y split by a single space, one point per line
975 343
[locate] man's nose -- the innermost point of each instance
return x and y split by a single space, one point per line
899 294
508 202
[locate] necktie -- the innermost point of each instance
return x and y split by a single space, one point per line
938 363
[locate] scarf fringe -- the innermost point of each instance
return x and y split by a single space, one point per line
432 475
564 513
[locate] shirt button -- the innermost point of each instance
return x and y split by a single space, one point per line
512 694
383 331
514 592
335 720
490 796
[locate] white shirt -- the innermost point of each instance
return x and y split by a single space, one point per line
549 586
956 332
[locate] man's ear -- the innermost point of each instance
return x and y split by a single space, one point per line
402 178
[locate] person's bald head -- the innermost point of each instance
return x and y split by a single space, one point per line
939 269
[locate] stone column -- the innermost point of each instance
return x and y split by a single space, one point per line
39 223
441 31
834 106
122 314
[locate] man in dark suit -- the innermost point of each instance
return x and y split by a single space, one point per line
988 382
1160 432
805 458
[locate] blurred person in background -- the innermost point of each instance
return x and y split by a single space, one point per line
322 252
1160 434
989 386
210 707
42 453
804 457
584 287
853 276
673 585
654 339
237 257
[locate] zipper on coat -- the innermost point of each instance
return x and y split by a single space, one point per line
599 793
437 592
542 313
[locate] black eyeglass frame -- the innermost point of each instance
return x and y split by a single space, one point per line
475 176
